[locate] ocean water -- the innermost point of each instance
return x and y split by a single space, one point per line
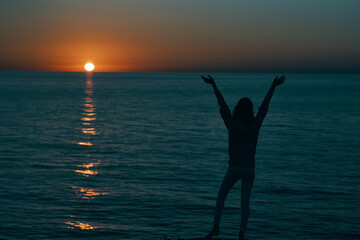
142 155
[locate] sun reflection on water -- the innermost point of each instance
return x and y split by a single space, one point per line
85 169
87 193
89 114
84 143
90 131
86 173
88 105
80 225
90 165
88 119
89 110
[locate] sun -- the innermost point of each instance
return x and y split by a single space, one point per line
89 67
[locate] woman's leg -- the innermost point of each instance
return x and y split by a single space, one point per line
230 179
228 182
246 186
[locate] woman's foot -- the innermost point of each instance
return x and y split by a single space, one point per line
214 232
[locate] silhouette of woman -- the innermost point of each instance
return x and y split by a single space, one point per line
243 129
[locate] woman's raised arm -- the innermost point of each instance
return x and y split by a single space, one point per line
265 103
219 97
277 81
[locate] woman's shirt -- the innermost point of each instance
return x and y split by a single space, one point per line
242 138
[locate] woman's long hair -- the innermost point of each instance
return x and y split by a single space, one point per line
244 111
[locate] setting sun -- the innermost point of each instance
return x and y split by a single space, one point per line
89 67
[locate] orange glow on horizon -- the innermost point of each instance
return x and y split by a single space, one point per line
121 42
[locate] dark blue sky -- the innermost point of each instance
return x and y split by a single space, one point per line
166 35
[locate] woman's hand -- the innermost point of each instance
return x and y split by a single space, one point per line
208 79
278 80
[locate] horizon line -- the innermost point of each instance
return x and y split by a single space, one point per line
197 71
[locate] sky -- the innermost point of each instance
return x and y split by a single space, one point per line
187 35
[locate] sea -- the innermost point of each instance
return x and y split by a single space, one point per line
142 155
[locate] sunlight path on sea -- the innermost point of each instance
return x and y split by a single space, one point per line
88 168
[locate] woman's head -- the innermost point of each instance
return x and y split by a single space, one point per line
244 110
